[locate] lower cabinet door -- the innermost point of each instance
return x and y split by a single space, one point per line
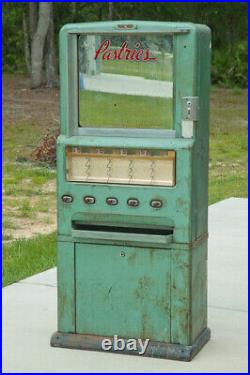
123 291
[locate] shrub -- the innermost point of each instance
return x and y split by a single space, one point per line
229 67
45 152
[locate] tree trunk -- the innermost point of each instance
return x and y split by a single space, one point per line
33 16
37 46
73 11
26 43
110 11
50 59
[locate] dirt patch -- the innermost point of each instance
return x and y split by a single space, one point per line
21 104
27 228
49 187
36 216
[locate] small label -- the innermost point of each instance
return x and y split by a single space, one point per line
187 129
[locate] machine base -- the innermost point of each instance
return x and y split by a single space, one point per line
154 349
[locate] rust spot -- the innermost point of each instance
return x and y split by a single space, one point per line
151 254
110 289
61 303
180 202
143 324
131 258
143 284
163 304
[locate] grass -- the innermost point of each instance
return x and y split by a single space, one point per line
20 139
24 192
111 110
228 144
23 258
228 166
8 224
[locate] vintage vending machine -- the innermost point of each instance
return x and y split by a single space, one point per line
132 162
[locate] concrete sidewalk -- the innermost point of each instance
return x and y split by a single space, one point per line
29 313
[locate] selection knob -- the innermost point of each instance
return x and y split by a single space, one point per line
156 203
133 202
67 198
111 201
89 199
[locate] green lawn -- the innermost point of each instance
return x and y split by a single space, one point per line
228 144
23 258
228 166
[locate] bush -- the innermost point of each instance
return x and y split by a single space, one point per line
45 152
229 67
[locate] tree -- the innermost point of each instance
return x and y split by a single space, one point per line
50 57
110 11
39 43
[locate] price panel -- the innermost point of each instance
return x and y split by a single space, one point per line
121 166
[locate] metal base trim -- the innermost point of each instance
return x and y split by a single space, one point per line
155 349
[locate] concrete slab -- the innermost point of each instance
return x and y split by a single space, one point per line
47 278
227 255
29 313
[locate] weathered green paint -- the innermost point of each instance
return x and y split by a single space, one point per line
188 293
198 290
66 286
123 290
199 198
157 290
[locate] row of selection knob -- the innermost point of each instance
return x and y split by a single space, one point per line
112 201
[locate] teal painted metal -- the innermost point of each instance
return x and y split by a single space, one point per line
108 277
128 284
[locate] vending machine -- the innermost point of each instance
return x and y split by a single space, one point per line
132 191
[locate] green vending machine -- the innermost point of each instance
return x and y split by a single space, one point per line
132 202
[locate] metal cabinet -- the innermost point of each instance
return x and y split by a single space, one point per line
132 192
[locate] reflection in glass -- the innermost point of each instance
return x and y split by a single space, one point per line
125 81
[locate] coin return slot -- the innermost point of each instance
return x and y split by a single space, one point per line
106 228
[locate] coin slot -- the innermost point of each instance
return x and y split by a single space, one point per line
77 225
